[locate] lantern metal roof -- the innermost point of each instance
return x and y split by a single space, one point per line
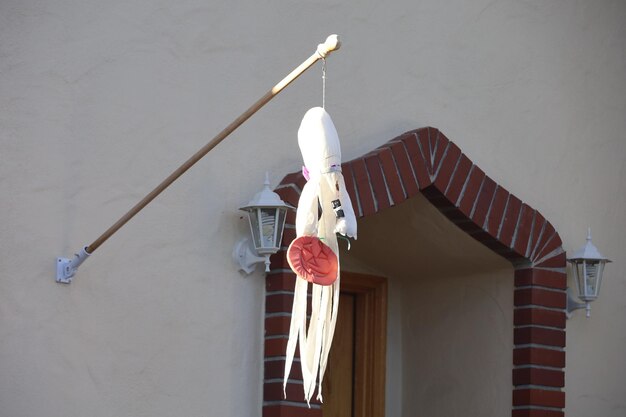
266 198
588 252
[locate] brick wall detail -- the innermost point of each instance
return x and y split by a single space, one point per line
425 161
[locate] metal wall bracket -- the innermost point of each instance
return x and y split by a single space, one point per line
572 305
246 258
66 268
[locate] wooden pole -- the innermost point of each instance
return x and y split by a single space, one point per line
331 44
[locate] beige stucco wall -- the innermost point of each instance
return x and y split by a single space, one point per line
101 100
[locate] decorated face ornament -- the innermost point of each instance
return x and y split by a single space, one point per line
312 260
314 254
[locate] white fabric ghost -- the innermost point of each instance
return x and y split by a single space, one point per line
319 144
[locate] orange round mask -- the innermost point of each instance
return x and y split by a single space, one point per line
313 260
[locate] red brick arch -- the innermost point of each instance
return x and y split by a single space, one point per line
425 161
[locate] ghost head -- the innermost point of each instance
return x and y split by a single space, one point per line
319 142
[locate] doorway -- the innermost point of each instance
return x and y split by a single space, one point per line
424 164
354 384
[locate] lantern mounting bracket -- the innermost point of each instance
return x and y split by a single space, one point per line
244 256
572 305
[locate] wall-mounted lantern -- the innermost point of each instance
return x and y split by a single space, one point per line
587 266
266 215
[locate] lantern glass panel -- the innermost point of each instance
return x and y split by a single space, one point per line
268 227
588 274
591 271
253 216
577 268
599 276
280 225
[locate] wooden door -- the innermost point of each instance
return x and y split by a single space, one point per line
354 384
338 386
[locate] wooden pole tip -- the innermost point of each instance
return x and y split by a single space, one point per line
331 44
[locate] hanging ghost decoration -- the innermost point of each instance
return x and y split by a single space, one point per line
313 255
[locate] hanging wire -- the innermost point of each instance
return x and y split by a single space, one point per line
324 83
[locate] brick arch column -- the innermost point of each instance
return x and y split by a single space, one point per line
426 161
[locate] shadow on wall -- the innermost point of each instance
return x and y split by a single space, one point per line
414 239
